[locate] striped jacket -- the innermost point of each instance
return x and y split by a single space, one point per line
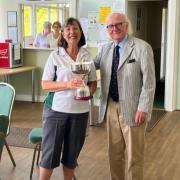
136 78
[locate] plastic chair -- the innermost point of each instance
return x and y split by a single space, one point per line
7 96
35 137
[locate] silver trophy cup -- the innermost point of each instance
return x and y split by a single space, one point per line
82 68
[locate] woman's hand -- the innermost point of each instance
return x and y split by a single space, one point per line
75 83
53 86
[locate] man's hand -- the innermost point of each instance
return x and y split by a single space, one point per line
140 117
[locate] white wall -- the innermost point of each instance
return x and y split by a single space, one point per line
172 84
89 5
178 76
6 5
84 6
178 57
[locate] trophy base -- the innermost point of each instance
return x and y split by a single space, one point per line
84 98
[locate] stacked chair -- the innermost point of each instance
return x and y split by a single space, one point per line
35 137
7 96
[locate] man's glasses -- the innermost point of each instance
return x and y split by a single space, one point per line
117 25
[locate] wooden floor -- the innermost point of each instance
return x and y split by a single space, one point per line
162 154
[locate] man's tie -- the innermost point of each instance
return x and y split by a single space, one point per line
113 89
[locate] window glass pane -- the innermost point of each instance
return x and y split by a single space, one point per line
54 15
41 17
66 11
27 21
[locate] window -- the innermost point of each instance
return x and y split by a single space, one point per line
34 15
53 15
41 16
27 21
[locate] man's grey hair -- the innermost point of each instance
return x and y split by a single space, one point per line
130 30
47 24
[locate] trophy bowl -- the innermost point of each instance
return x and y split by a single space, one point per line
82 68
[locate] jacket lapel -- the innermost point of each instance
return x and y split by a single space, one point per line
127 51
110 58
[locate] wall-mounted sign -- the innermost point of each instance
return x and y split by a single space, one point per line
93 17
13 34
11 18
103 13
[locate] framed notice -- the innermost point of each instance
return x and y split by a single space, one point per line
13 34
93 17
12 18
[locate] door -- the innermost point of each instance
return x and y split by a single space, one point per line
150 24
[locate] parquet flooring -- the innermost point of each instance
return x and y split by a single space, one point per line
162 153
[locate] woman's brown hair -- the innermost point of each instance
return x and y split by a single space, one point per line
56 23
71 21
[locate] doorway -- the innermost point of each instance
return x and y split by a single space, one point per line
146 18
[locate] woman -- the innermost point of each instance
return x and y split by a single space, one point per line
65 119
41 38
54 37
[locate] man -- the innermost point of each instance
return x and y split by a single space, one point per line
41 38
128 86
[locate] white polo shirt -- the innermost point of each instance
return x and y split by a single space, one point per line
51 41
63 101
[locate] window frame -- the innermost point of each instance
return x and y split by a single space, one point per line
61 14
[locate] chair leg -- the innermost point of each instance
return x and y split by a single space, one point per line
34 155
39 150
9 152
